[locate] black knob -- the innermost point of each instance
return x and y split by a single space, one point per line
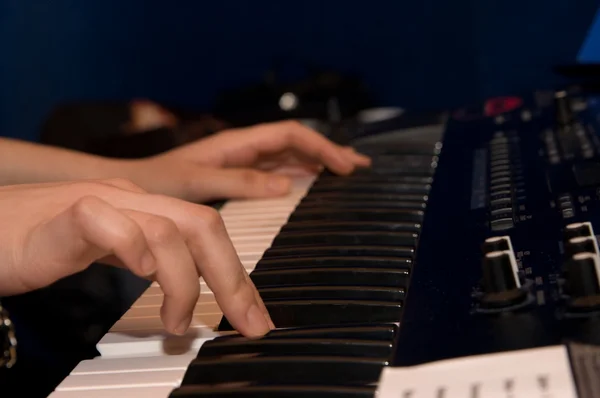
582 284
498 274
501 284
576 230
495 244
580 244
564 112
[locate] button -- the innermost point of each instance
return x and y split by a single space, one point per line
501 201
503 211
568 213
502 224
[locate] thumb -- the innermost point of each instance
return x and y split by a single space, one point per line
241 184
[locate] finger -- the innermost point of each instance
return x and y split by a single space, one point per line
111 231
357 158
176 271
212 184
213 253
86 231
314 145
227 278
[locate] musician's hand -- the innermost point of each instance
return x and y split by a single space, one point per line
245 163
52 230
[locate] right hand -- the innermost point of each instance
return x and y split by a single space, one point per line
50 231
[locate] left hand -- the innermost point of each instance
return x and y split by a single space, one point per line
252 162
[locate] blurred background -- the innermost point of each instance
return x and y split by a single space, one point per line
420 54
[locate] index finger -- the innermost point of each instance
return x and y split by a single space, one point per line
294 135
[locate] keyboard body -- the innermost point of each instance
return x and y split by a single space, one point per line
468 237
519 175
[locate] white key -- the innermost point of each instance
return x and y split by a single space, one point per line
136 392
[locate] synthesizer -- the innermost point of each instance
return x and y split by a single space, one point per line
468 252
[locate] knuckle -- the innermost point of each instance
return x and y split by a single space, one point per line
210 218
250 177
161 229
85 207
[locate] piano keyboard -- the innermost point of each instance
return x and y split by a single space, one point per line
332 262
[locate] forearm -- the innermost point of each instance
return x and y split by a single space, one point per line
25 162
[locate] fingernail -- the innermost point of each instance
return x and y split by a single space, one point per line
363 159
183 326
278 184
148 264
257 321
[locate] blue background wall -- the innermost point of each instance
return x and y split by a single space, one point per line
416 53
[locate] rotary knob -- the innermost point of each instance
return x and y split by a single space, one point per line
583 281
496 244
579 244
501 284
577 230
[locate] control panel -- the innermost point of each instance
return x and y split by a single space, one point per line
508 258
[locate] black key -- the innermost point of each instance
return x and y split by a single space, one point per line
356 214
328 238
416 179
291 347
364 196
328 251
397 170
289 314
285 370
381 332
330 277
332 293
360 204
331 262
373 188
291 391
316 226
405 148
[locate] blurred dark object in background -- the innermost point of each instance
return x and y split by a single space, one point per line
321 94
141 128
134 129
